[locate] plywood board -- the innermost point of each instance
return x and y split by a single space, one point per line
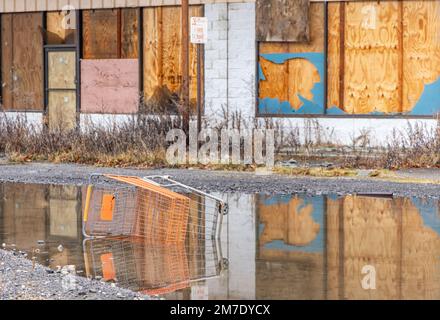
334 56
372 32
421 55
110 86
6 56
129 33
62 109
162 65
56 31
27 61
296 76
101 34
153 58
62 70
283 20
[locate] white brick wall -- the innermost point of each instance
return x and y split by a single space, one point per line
230 59
216 59
241 67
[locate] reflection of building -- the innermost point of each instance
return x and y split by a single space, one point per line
290 242
30 213
399 237
396 236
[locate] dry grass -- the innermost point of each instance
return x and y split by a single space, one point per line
317 172
141 142
132 143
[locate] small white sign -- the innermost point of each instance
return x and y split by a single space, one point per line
199 30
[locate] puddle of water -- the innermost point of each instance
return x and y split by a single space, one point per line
272 247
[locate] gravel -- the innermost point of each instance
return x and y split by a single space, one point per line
21 280
223 181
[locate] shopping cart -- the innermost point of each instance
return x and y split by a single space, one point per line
157 209
152 269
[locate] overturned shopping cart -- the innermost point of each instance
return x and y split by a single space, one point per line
156 209
150 268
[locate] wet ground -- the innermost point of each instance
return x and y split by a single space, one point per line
230 182
273 246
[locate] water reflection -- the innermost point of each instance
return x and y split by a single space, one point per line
273 247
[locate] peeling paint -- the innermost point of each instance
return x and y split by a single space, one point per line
429 102
315 106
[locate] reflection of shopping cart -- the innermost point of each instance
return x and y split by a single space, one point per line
151 269
156 209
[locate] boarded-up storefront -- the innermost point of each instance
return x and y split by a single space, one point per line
379 58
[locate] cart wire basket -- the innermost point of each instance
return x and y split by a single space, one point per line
152 269
157 209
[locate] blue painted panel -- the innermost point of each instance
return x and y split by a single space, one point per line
275 106
429 102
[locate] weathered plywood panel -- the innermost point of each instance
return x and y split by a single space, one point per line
153 59
56 33
283 20
101 34
62 70
110 86
171 45
6 67
22 61
162 57
129 33
372 49
293 72
275 83
27 61
62 109
421 56
334 55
